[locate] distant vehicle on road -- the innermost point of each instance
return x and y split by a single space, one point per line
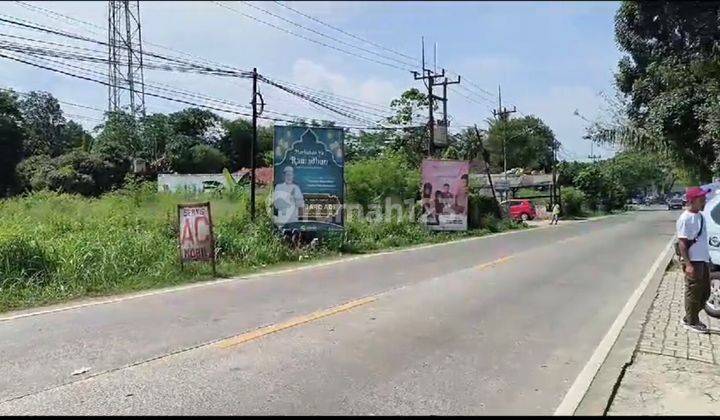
521 209
675 203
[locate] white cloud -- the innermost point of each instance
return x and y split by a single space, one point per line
311 74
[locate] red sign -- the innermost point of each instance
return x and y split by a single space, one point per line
196 233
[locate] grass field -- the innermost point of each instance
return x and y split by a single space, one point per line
56 247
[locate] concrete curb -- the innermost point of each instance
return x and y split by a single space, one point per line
599 395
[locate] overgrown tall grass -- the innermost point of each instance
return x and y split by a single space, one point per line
56 247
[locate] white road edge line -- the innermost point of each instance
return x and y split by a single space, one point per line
582 383
256 275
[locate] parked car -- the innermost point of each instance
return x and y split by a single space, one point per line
521 209
675 203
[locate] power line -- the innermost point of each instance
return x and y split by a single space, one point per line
325 35
100 60
308 39
215 108
103 32
97 60
347 33
56 15
356 103
22 23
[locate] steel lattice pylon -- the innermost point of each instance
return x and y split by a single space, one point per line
126 90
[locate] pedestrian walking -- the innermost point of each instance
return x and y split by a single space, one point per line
694 257
555 214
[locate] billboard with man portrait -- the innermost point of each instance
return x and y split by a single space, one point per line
444 194
309 178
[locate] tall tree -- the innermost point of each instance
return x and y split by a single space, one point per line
74 136
528 143
201 124
671 76
44 121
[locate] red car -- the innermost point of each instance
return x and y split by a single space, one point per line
522 210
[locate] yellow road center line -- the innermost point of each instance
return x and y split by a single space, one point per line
242 338
494 262
294 322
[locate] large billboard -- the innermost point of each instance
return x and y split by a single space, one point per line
309 178
444 195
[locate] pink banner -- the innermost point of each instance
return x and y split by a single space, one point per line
444 194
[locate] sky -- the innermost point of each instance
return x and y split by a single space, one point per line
550 58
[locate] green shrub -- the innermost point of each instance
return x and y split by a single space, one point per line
480 206
76 172
363 235
23 262
370 181
572 202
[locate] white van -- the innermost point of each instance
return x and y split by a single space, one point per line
712 218
711 213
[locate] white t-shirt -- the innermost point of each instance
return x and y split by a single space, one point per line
288 199
688 226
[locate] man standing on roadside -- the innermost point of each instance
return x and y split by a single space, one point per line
695 258
555 214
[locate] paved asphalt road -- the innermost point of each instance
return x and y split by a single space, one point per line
499 325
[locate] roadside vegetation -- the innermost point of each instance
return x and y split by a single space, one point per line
56 246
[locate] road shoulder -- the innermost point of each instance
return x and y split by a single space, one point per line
603 386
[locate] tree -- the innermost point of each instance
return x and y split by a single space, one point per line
411 104
365 144
117 142
413 140
528 143
236 143
201 124
206 159
44 122
12 137
118 136
74 136
157 132
466 145
388 175
598 187
671 76
568 171
637 172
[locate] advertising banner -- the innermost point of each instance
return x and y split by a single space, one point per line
444 195
197 242
309 178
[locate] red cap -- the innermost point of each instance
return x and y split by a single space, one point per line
695 192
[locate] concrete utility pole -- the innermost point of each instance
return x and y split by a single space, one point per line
253 145
502 116
431 76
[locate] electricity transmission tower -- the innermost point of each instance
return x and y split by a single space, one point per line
126 90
